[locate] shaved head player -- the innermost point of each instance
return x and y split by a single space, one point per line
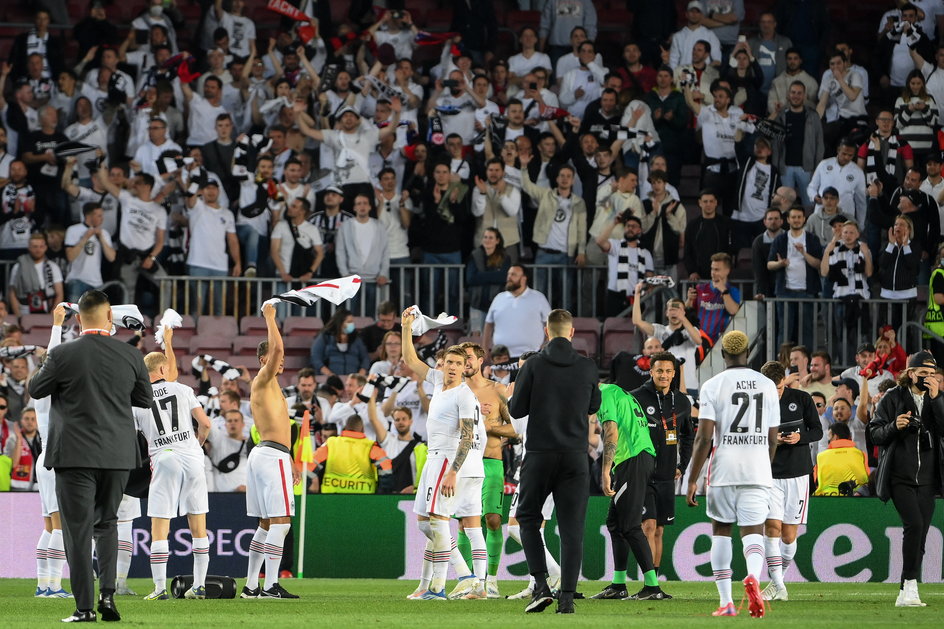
269 494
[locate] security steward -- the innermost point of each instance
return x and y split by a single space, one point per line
353 463
668 412
908 428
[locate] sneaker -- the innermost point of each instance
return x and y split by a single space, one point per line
774 593
540 600
276 591
40 592
525 593
613 591
157 596
463 587
429 595
726 610
250 593
60 593
554 582
124 590
477 592
415 596
196 592
755 602
908 596
650 593
491 587
250 272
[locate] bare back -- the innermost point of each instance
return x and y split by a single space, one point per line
270 412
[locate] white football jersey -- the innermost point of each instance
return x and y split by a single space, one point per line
474 467
744 406
168 423
445 409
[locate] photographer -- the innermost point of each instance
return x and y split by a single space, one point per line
908 427
627 263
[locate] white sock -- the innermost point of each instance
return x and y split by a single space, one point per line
124 551
514 532
56 559
479 553
256 557
441 545
457 561
159 555
774 560
553 568
427 574
42 563
201 560
423 526
721 567
788 551
753 546
273 552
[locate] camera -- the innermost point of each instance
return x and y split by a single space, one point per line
450 83
687 78
532 86
395 14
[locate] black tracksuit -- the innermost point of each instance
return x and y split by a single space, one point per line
557 389
797 414
909 467
665 413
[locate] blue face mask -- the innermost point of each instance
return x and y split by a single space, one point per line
348 328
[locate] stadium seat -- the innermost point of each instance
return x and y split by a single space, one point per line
582 346
296 362
618 335
214 345
588 329
252 325
517 20
186 330
30 321
217 326
247 345
438 19
301 326
297 346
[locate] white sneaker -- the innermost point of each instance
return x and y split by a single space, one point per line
463 587
908 596
491 587
525 593
774 593
477 592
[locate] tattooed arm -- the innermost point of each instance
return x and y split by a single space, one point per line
501 426
466 428
610 436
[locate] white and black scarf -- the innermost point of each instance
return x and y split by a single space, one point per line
628 270
873 158
229 372
847 271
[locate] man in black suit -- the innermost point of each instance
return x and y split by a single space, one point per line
94 381
557 388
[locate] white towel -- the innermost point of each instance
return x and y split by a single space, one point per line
423 324
124 315
170 319
336 291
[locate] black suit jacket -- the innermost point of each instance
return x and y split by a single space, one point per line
94 381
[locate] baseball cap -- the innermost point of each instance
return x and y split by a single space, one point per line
334 189
922 359
850 383
211 182
935 156
831 191
838 218
696 5
865 347
347 110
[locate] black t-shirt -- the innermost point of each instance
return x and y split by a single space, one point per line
937 283
43 173
373 335
794 140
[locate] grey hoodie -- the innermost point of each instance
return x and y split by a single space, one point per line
818 224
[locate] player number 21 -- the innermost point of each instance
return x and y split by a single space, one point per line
164 402
743 400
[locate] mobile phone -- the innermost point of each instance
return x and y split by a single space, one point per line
742 39
450 83
532 86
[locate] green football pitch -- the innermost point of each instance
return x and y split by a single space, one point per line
342 603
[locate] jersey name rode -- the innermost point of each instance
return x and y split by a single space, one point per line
445 409
167 424
744 407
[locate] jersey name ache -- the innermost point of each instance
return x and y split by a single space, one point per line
746 384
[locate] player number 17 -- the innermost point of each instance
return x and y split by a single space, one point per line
743 400
164 402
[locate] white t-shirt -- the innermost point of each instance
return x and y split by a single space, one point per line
201 121
168 424
208 229
756 199
557 235
107 201
402 41
519 65
445 410
15 233
519 321
796 270
684 350
87 267
462 123
838 101
744 406
352 151
409 398
717 132
140 221
94 133
241 31
308 237
222 446
388 213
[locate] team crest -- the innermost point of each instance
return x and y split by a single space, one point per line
651 410
792 406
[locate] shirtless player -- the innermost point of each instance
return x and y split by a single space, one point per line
269 496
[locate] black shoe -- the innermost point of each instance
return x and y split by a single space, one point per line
613 591
106 607
78 616
650 593
540 600
276 591
250 593
565 603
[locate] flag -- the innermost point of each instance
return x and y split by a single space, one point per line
335 291
170 319
284 7
425 38
553 113
304 452
423 324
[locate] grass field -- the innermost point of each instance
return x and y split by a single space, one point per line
338 603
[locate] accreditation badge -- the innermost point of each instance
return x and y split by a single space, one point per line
671 437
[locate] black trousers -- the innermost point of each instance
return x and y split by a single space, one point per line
624 519
915 505
566 475
88 505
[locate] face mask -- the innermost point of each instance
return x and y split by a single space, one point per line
348 328
156 11
921 385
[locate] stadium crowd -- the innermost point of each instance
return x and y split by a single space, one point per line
332 147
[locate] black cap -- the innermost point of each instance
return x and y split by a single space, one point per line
922 359
935 156
830 191
865 347
850 383
838 218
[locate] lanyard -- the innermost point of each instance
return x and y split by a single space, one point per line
662 415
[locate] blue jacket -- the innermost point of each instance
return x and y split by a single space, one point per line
813 247
326 353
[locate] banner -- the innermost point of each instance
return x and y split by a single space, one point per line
286 8
847 540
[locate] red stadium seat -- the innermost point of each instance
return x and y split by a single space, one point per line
517 20
247 345
297 362
305 326
618 335
217 326
297 345
252 325
588 329
30 321
215 345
